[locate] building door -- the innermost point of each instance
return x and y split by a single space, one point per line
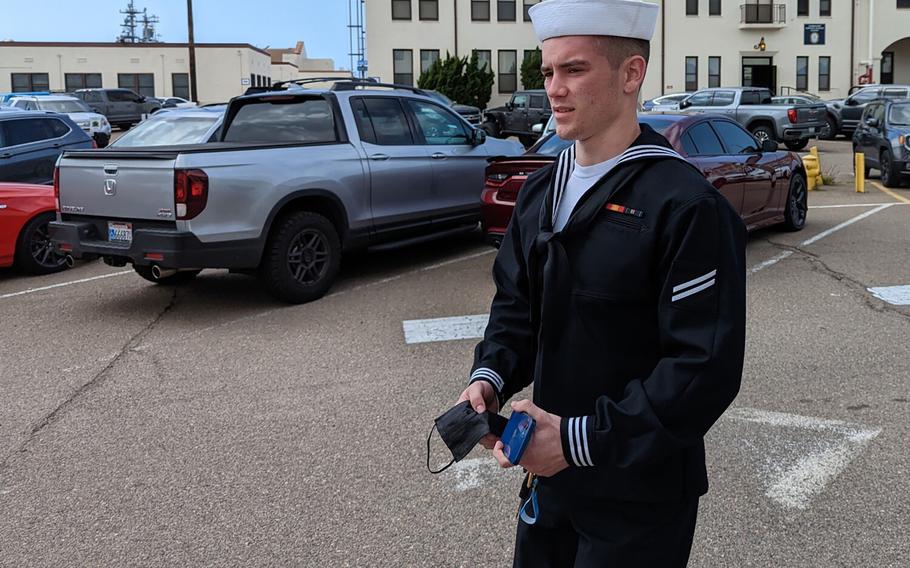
887 74
760 72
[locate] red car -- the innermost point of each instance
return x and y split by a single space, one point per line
767 186
25 211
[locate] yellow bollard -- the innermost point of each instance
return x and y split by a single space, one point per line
812 171
859 172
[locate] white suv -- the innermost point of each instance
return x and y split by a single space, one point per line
94 124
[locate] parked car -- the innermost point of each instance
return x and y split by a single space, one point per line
194 125
31 142
794 125
665 103
832 116
470 113
176 102
851 109
296 177
5 97
883 136
94 124
518 116
25 211
122 107
767 186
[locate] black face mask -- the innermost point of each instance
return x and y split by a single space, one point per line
461 428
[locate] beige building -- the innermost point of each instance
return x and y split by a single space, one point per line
820 46
223 71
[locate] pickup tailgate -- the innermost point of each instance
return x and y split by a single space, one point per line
118 185
813 114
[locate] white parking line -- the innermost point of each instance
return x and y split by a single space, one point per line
895 295
844 205
795 486
62 284
444 329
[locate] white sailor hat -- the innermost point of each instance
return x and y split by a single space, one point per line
621 18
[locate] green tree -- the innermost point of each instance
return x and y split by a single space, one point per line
460 79
478 83
530 71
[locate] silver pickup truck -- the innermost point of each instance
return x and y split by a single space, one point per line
296 177
794 125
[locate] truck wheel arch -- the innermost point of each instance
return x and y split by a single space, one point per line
316 200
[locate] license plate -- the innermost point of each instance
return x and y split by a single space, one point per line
120 232
812 130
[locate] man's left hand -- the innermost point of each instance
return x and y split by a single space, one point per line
543 456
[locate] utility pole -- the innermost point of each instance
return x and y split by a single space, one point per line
192 45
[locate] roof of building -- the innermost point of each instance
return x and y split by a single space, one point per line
128 45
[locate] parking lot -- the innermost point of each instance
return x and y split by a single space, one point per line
211 425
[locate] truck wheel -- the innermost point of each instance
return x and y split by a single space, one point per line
490 128
890 177
797 203
797 145
829 130
177 279
302 258
763 133
35 253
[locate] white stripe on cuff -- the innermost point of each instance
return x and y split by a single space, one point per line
695 281
691 291
578 441
490 374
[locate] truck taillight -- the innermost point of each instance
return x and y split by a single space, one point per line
791 114
191 191
57 188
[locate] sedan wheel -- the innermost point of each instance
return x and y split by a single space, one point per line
797 204
35 252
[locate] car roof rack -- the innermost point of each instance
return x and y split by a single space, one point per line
345 84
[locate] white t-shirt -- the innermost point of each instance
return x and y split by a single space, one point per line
583 177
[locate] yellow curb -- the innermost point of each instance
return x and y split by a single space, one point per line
887 191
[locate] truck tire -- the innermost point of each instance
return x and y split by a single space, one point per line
177 279
829 130
796 146
35 253
490 128
301 258
763 132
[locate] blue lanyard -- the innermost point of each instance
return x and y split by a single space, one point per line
531 518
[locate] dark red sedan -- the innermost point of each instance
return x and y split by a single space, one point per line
767 186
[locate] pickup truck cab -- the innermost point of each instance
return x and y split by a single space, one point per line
794 125
122 107
518 116
295 178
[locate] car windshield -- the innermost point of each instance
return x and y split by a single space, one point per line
553 145
900 115
167 130
64 106
440 97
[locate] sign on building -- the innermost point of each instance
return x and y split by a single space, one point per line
814 34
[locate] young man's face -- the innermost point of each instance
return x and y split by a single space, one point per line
585 91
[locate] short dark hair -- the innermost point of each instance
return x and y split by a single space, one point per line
618 49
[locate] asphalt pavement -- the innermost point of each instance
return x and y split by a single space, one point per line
209 425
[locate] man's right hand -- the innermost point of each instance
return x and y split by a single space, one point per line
482 397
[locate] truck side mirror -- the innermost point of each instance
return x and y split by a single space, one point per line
478 137
850 102
684 104
509 106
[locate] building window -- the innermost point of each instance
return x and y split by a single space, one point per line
802 73
714 7
824 7
28 82
713 72
824 73
180 85
505 10
527 6
429 10
73 81
480 10
691 7
508 71
401 9
142 83
802 7
484 58
403 67
427 58
691 73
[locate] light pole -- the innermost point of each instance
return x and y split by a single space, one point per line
192 45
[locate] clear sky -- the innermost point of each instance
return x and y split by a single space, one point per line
321 24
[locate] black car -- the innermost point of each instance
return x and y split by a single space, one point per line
518 116
851 108
883 136
31 142
470 113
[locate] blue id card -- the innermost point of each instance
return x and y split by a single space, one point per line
516 436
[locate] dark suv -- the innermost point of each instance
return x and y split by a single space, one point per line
883 136
31 142
122 107
851 108
518 116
